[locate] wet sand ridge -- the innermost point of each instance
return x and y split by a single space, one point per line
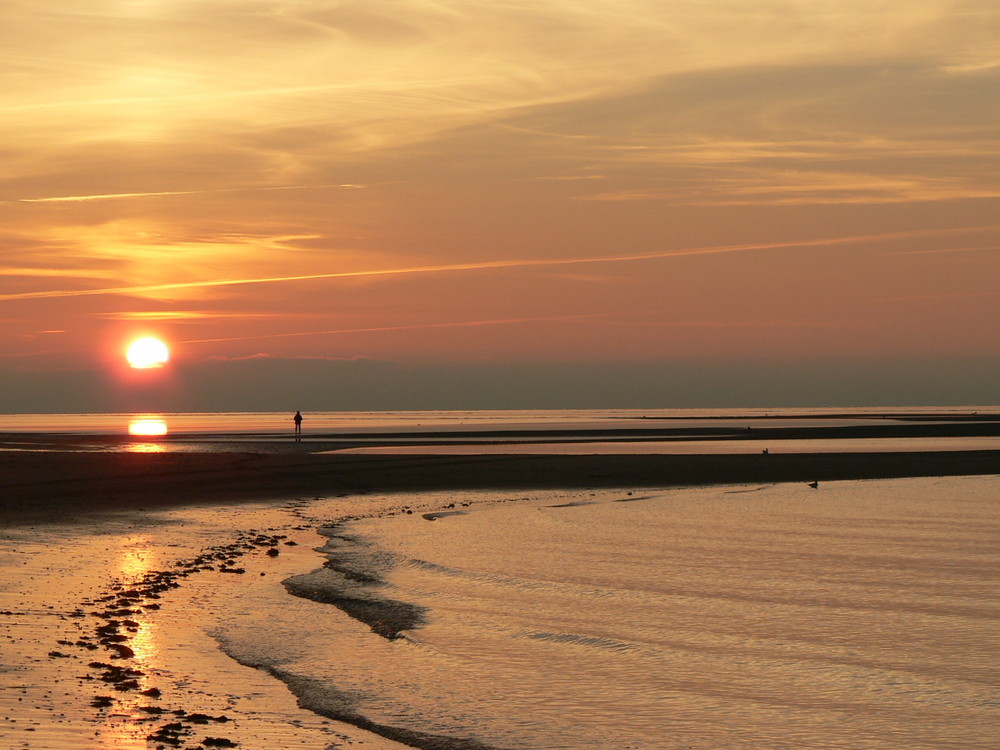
36 485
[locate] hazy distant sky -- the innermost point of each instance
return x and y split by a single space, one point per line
662 203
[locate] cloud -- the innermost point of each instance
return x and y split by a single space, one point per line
699 101
183 315
206 151
74 273
482 266
161 193
896 131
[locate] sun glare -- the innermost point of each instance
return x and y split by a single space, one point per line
147 426
147 352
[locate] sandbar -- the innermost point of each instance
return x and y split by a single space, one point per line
38 485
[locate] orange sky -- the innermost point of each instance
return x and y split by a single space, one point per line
434 183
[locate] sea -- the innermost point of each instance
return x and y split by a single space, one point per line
496 431
362 422
854 614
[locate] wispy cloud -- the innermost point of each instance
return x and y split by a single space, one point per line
160 193
181 315
489 265
72 273
339 165
747 323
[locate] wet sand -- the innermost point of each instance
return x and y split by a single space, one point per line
106 629
859 615
117 561
75 522
40 485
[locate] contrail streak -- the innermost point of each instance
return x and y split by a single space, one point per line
487 265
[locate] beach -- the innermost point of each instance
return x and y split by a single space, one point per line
33 484
107 632
296 597
93 463
859 614
457 375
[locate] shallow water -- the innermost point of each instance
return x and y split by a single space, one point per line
664 431
856 615
423 421
860 615
688 447
51 580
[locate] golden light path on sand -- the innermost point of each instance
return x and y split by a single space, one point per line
119 731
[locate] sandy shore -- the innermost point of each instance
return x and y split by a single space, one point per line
86 565
106 625
39 485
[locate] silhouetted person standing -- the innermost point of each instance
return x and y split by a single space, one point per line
298 425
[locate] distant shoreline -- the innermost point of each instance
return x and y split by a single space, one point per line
36 486
662 428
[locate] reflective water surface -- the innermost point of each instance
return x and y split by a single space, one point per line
686 447
373 421
859 614
855 615
674 431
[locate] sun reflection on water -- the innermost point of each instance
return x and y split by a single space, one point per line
119 733
127 726
146 448
135 561
147 426
135 565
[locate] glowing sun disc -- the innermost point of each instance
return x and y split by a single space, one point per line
147 352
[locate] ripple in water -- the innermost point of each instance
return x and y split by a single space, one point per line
862 615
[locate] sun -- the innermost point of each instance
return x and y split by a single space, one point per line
147 352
